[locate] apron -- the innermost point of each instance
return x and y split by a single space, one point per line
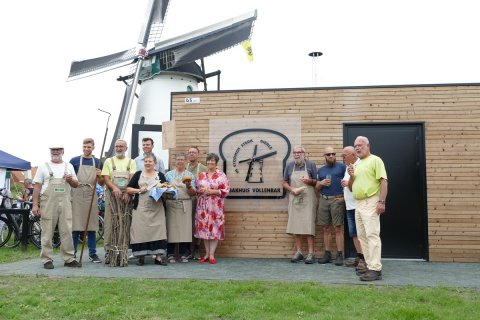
179 214
56 208
82 197
301 208
148 220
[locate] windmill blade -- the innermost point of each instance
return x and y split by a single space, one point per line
153 22
204 42
152 28
86 68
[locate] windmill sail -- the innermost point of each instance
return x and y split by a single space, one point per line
151 30
204 42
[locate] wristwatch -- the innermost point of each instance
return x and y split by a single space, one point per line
381 201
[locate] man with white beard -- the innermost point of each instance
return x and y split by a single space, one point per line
299 181
117 172
52 202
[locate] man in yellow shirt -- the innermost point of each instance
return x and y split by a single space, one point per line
368 181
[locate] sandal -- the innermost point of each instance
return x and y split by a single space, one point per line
183 259
171 259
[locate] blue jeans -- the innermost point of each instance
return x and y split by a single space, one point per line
352 227
91 241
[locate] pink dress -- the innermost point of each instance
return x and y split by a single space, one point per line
209 216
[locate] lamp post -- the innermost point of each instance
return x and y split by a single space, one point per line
314 55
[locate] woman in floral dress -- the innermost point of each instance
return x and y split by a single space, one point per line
212 188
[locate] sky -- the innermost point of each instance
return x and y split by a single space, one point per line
363 43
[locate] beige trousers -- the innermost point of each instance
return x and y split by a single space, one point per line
368 231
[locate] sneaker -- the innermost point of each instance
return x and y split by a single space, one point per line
48 265
327 257
94 258
371 275
310 258
72 264
297 257
196 254
339 259
352 262
171 259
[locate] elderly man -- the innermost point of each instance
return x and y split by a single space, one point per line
147 147
116 172
299 182
350 158
368 181
331 208
195 167
52 202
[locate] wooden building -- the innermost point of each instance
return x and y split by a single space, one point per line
428 136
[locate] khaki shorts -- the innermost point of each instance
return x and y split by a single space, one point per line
331 211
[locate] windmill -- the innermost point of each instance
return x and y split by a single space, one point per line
158 63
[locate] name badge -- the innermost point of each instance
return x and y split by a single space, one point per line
59 190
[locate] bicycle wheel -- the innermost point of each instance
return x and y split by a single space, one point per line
100 228
36 233
56 238
14 240
6 231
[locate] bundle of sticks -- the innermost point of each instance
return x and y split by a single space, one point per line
120 236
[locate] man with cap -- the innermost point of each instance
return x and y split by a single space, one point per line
52 202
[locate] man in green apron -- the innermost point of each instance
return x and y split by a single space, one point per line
299 181
116 171
52 202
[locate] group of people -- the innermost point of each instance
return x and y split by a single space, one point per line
356 188
191 208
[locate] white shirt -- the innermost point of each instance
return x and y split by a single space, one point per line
347 194
58 169
160 167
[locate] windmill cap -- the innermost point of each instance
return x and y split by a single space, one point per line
56 146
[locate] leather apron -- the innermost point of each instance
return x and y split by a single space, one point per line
148 220
302 208
179 214
56 208
82 196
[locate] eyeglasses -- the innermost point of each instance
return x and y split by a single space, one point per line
333 154
297 152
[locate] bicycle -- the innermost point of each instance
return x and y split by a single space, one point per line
11 226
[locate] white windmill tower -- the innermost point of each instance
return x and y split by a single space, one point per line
169 66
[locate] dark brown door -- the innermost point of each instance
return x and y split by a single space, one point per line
404 225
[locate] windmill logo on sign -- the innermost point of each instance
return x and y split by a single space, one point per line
178 54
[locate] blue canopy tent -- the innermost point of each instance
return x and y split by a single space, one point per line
13 163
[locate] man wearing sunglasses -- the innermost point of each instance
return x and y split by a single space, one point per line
331 208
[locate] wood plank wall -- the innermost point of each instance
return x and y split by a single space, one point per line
452 120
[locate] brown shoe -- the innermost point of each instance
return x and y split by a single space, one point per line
371 275
72 264
352 262
48 265
361 268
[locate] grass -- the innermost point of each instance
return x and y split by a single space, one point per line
28 297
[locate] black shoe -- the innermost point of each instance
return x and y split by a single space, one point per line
72 264
48 265
94 258
140 261
371 275
327 257
339 259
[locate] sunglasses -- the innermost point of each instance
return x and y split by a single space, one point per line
333 154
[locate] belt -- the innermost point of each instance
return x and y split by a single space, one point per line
331 197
